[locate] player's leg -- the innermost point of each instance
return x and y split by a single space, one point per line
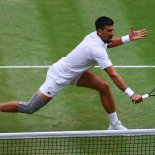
90 80
46 92
36 102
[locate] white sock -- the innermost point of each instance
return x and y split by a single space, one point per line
113 118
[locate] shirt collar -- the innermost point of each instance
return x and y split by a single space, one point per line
100 40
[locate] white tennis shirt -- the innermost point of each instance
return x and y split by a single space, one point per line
90 52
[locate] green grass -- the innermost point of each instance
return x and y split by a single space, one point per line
40 32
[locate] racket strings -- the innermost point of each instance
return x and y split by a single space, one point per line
152 93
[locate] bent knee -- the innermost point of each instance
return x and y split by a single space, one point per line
24 107
103 87
33 105
30 110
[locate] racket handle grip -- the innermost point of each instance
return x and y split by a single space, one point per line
145 96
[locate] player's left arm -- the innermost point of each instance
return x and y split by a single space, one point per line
133 35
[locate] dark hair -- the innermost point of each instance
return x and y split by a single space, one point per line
102 21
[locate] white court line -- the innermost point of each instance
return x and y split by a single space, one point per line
12 67
117 66
131 66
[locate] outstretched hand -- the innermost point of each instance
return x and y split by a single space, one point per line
136 35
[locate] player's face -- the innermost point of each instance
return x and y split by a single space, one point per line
106 33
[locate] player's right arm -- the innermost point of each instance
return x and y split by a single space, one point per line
120 83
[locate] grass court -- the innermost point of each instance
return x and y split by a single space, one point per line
39 32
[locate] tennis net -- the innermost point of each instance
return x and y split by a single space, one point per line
100 142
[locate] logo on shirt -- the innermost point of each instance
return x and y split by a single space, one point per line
48 93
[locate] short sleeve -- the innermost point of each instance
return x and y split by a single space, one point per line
101 57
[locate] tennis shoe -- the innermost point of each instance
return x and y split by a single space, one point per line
117 126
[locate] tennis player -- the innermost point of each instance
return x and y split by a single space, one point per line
74 69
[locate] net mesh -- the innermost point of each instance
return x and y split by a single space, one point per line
89 144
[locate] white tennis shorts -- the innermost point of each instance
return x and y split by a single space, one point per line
54 83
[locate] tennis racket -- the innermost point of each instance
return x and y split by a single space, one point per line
151 93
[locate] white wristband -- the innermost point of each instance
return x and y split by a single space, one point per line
128 92
125 39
